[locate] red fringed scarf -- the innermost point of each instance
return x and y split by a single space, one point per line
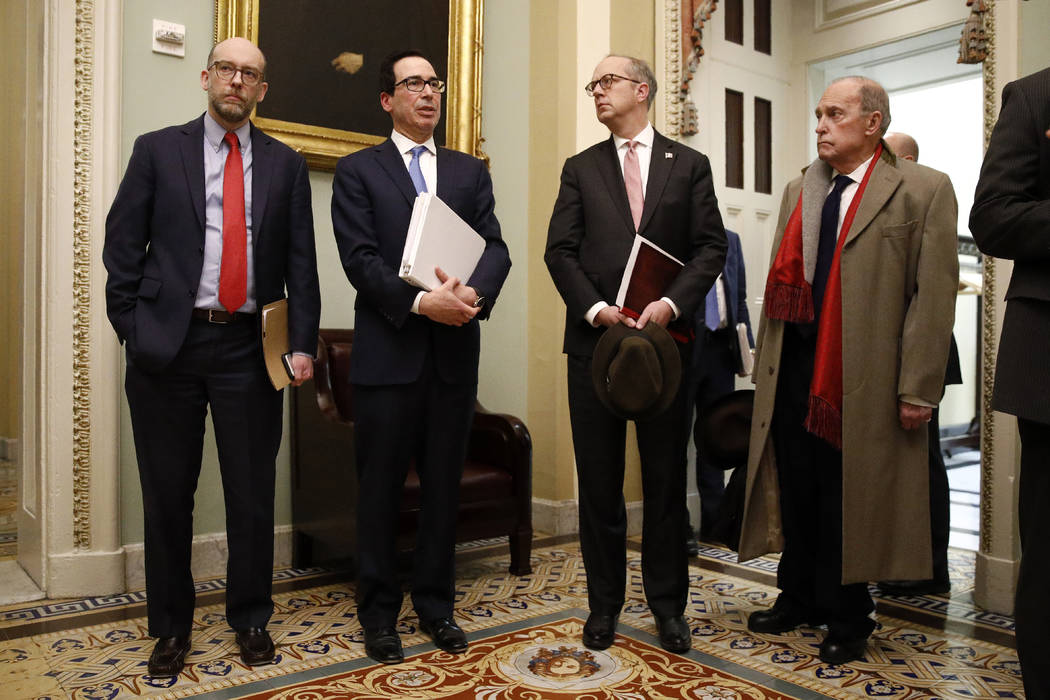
789 297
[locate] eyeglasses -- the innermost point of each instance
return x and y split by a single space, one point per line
606 81
226 71
416 84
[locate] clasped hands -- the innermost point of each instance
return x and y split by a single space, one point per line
659 312
452 303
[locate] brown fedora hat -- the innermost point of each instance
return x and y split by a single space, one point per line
636 373
724 432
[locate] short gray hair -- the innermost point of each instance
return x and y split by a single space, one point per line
639 70
873 98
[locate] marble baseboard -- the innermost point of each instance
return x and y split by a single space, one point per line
563 517
208 559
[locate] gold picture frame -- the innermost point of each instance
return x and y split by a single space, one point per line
323 146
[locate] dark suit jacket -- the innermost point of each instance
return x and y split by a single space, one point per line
372 198
154 248
1010 219
591 231
735 279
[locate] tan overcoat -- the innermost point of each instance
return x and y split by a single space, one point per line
900 274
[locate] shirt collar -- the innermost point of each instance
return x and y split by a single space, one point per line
405 144
644 137
214 133
858 174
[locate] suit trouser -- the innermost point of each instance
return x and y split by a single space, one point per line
599 442
940 506
218 367
713 376
810 475
1031 611
427 421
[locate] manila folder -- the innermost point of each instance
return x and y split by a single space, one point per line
437 237
275 342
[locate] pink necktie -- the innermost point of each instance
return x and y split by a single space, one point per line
233 267
632 177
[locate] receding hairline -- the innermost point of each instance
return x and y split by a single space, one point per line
872 96
641 71
211 54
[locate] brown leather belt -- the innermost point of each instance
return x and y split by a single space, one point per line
222 317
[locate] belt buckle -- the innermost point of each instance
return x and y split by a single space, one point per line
212 318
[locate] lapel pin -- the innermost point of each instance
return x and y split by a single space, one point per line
668 155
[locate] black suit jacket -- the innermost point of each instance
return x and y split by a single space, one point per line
154 249
1010 219
591 231
372 199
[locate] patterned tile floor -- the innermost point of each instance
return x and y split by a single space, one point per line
8 531
524 623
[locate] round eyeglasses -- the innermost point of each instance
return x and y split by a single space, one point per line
226 71
606 81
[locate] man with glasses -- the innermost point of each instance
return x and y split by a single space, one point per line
414 363
211 222
635 182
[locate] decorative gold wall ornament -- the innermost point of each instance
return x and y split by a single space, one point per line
82 162
694 14
323 146
989 336
673 66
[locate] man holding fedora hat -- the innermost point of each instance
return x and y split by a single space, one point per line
619 369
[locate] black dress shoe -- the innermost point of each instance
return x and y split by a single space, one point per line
446 634
837 650
930 586
600 631
383 644
256 646
777 621
692 547
168 656
674 634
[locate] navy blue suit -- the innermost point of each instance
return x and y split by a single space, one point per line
715 361
415 380
179 367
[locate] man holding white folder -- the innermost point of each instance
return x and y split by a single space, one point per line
414 364
635 182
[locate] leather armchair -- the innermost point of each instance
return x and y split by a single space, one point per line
495 490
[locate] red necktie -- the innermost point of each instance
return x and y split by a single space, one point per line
233 270
632 178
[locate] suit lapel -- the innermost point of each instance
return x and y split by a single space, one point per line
445 175
884 181
659 170
394 164
612 175
262 162
193 165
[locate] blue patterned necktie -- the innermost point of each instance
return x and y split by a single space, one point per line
829 225
415 172
712 319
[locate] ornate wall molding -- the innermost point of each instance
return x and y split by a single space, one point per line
989 336
83 83
673 70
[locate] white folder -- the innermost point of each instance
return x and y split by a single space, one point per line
437 237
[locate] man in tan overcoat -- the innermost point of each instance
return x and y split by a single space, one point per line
850 360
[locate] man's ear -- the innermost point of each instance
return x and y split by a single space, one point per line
205 78
384 101
643 92
874 123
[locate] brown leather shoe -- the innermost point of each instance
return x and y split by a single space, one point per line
169 656
256 646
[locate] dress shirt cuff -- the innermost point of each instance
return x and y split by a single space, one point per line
675 312
592 313
415 304
915 400
305 354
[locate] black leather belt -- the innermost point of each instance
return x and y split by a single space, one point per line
222 317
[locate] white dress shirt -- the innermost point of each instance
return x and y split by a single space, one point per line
643 148
427 165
